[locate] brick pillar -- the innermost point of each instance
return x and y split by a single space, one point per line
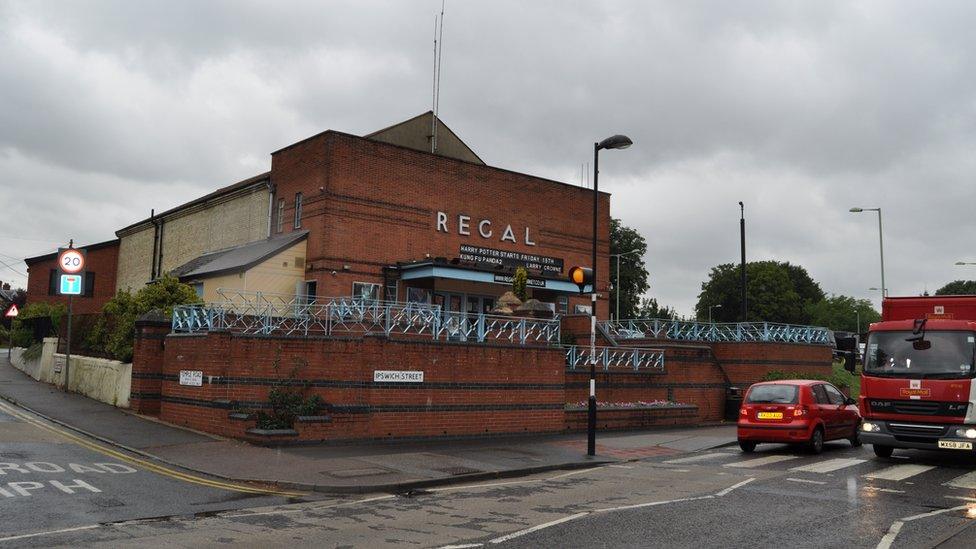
577 327
147 362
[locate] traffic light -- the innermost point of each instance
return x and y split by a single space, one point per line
582 277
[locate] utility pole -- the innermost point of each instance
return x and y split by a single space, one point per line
744 313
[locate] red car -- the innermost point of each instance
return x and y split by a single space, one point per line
797 411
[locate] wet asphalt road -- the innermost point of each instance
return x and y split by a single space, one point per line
776 497
53 479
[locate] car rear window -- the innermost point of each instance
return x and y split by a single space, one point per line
772 394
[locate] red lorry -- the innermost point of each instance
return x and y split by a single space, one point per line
917 386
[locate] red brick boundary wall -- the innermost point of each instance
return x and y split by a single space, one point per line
468 390
147 364
631 419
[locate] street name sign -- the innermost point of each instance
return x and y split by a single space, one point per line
193 378
398 376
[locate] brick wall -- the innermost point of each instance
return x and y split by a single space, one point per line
100 259
369 204
147 365
747 363
467 390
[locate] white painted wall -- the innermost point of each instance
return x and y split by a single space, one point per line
108 381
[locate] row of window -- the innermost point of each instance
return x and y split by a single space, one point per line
281 213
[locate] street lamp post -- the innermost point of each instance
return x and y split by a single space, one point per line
710 307
614 142
617 285
884 289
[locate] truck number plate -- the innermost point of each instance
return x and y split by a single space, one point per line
955 445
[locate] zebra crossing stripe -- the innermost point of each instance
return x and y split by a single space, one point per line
759 462
900 472
701 457
829 465
965 481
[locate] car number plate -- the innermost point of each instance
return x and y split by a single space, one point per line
769 415
955 445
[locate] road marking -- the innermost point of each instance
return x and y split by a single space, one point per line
896 526
231 514
574 473
806 481
50 532
465 546
701 457
728 490
164 471
829 465
622 466
899 472
758 462
965 481
650 504
538 527
885 490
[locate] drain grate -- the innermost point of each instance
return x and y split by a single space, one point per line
107 502
455 471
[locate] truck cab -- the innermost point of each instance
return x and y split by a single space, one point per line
917 387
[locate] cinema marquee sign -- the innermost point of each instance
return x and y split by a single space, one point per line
508 258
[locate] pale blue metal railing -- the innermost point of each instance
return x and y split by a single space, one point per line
635 358
681 330
268 314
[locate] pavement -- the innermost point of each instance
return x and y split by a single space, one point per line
346 468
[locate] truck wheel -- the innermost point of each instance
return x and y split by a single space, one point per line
747 446
817 441
883 451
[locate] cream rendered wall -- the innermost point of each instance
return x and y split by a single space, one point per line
239 220
277 275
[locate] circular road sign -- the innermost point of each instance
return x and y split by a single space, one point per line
71 261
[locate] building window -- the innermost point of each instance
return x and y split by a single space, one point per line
52 282
562 305
366 291
281 215
298 210
418 295
198 288
89 290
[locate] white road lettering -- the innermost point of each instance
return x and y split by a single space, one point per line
5 493
69 488
79 468
44 467
24 488
117 468
11 467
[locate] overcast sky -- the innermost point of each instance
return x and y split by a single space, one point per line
800 109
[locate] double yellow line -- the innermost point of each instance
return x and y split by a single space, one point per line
144 464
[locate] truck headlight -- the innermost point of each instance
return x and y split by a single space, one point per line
869 427
966 433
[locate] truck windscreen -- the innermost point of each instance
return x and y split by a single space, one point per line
950 356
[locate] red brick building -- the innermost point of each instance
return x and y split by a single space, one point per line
101 262
391 222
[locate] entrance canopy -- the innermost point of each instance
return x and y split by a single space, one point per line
431 269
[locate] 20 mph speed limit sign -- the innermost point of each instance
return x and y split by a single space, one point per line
71 261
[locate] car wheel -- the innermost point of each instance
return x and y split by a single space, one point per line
817 441
883 451
747 446
855 439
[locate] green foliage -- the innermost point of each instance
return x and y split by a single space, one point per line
519 282
839 377
840 312
288 398
633 271
35 313
114 331
958 287
33 352
650 309
776 292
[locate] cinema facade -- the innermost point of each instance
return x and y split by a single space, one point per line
367 270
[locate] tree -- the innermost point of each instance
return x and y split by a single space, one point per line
519 281
840 312
958 287
633 271
650 309
776 292
114 331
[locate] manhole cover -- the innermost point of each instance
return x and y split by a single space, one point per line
454 471
353 473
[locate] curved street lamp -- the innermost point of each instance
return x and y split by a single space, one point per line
884 289
613 142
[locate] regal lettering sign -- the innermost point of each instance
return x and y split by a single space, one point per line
507 258
483 228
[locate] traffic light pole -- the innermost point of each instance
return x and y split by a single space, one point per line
591 410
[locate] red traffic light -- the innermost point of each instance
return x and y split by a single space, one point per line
582 277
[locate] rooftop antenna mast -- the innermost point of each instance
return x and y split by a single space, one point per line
438 48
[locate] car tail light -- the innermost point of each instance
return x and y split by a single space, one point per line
799 411
743 411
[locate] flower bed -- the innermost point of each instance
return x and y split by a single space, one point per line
626 405
632 416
